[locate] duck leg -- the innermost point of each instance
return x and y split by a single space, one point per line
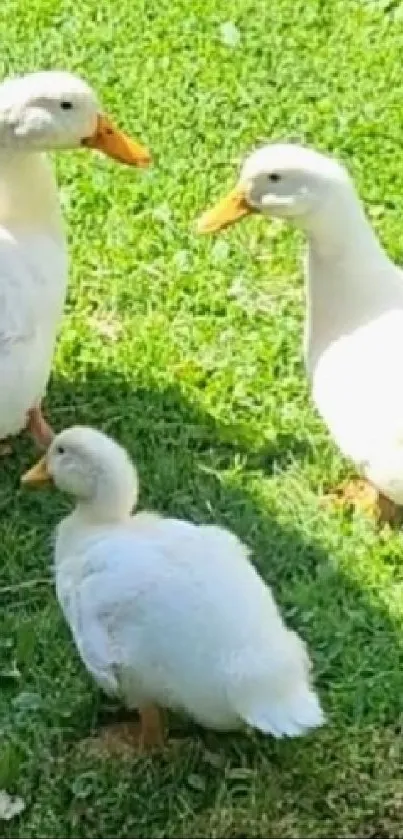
39 429
362 495
152 729
127 737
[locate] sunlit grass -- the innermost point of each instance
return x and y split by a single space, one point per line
189 351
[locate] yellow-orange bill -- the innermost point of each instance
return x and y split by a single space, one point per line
39 474
230 209
113 142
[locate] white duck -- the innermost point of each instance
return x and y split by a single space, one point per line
168 614
38 113
354 327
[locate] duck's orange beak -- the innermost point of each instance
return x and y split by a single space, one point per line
113 142
39 474
227 211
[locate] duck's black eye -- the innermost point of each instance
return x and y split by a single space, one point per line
274 177
60 449
65 105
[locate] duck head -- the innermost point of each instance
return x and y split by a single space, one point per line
91 467
282 180
53 110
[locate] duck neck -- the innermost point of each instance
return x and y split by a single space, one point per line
344 282
89 519
103 511
28 194
111 502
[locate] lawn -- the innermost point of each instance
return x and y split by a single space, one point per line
188 350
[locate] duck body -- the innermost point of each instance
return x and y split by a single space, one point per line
177 616
354 345
354 322
39 112
167 613
33 283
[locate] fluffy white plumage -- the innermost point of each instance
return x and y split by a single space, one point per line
354 323
38 112
168 612
33 258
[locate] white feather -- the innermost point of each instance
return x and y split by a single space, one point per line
354 319
170 612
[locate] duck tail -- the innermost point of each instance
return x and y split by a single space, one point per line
281 701
288 718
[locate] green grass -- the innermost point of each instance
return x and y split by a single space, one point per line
189 351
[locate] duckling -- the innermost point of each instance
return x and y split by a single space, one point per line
354 317
39 112
167 614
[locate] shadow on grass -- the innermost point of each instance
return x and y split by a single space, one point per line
186 464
